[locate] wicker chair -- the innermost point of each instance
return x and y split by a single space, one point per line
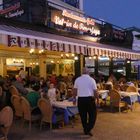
14 91
16 102
47 112
115 100
27 112
131 89
6 119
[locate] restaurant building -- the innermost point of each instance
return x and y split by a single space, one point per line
56 37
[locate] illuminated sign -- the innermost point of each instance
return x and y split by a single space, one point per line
12 10
70 20
81 19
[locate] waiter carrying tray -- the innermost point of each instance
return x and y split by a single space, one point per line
86 90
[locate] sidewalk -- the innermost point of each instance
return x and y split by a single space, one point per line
109 126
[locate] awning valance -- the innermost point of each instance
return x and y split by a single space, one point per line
12 36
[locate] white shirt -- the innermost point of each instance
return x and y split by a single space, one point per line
85 86
22 74
52 95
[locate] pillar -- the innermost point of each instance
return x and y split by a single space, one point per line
96 65
79 64
128 68
110 65
42 67
3 67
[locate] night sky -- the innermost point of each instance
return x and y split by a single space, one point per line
123 13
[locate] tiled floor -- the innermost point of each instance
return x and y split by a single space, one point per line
109 126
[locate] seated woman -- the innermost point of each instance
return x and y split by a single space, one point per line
53 94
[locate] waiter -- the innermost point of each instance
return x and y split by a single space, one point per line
86 90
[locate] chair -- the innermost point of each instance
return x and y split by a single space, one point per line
6 119
131 89
47 112
115 100
27 112
14 91
16 102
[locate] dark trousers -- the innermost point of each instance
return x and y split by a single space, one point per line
88 112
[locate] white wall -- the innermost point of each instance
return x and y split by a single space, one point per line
81 5
136 41
1 2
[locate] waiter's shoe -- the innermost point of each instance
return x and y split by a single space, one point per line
88 133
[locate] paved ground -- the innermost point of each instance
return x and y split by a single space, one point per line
109 126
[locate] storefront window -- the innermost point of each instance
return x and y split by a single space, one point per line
119 66
74 3
14 65
103 65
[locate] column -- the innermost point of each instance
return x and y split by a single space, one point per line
128 68
110 65
42 67
3 67
81 5
96 65
79 64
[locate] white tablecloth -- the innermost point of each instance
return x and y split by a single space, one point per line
133 95
63 104
103 93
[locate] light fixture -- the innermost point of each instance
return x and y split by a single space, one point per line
32 51
52 61
67 55
62 55
73 54
94 57
76 58
90 57
41 51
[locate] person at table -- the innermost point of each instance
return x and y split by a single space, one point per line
19 84
86 90
112 79
122 80
53 93
33 97
22 73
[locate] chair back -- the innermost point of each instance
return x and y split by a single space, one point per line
46 109
16 102
0 91
14 91
6 116
6 119
115 98
131 89
26 108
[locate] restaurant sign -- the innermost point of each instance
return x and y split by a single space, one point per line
12 10
70 20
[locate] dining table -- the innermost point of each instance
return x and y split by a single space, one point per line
103 93
68 107
129 97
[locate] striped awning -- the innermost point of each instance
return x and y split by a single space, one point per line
13 36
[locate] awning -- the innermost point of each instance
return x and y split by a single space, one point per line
12 36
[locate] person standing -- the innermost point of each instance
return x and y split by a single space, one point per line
22 73
86 90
